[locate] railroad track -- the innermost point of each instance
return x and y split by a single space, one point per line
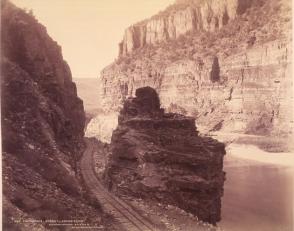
122 212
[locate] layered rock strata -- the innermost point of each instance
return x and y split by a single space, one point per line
42 128
159 156
253 92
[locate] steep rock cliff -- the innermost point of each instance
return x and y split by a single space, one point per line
252 93
182 17
42 128
159 156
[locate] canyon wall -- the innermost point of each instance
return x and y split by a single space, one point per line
42 128
180 18
236 78
159 156
254 97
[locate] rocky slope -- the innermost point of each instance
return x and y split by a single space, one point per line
42 129
226 63
159 156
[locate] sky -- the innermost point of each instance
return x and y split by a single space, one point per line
89 30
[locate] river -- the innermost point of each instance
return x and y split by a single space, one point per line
258 192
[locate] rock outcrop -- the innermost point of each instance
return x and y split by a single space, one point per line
159 156
42 128
253 91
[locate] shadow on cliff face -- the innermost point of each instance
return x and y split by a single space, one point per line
261 125
243 5
160 157
42 128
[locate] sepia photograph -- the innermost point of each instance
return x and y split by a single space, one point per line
147 115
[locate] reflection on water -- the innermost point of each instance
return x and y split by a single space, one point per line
257 196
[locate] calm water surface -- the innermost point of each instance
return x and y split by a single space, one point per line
258 196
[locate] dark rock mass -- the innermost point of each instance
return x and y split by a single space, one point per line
42 127
159 156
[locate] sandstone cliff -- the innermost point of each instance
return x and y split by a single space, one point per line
42 128
159 156
183 16
252 89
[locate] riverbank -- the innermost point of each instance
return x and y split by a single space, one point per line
272 144
258 193
254 153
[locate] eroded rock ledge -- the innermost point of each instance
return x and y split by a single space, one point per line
159 156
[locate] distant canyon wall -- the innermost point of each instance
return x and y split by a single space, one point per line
235 79
254 97
198 15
